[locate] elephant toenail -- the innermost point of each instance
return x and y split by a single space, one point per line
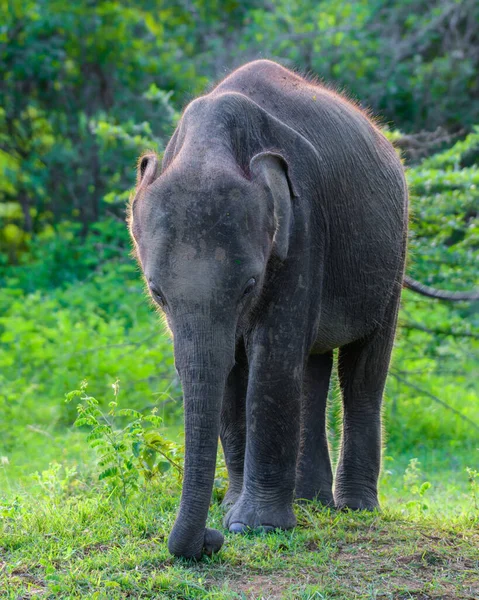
238 528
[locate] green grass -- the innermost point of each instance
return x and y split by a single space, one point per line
60 537
74 544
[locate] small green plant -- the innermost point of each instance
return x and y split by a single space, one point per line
10 509
473 478
128 454
56 481
416 487
220 485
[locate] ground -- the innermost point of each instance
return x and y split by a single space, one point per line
64 539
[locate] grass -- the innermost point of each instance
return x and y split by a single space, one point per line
81 548
61 538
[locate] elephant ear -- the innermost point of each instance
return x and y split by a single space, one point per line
146 174
147 170
273 170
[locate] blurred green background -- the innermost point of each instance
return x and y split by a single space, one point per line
87 86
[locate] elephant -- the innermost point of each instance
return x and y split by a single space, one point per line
273 234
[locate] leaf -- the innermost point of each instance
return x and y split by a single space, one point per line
84 421
98 443
110 472
154 438
129 412
424 487
149 458
164 466
136 448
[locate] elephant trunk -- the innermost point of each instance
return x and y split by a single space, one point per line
203 360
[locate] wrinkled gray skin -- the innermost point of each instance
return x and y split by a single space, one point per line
275 233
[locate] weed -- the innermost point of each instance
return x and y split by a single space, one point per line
473 478
412 482
128 453
55 481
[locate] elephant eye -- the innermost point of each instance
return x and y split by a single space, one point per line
249 286
157 296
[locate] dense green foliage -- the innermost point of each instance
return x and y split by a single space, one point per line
85 90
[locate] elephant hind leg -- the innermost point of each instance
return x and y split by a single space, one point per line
314 478
362 369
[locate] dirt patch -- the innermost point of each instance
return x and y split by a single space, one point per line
426 558
263 587
19 578
425 574
94 548
429 558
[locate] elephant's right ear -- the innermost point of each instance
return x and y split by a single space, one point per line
147 170
146 174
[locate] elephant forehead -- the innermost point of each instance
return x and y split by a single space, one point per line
185 204
219 236
211 221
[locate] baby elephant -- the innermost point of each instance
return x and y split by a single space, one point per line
273 233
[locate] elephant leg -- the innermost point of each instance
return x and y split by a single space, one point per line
273 428
362 369
233 425
314 477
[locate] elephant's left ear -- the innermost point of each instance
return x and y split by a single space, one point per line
273 169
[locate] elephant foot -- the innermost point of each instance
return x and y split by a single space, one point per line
209 543
231 497
247 514
358 500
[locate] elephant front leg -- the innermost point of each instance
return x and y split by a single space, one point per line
273 428
314 477
233 425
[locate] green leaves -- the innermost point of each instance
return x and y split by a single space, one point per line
132 452
110 472
87 88
80 87
437 344
415 488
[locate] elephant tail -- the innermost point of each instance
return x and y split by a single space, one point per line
431 292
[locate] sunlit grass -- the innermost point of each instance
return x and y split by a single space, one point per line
64 539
